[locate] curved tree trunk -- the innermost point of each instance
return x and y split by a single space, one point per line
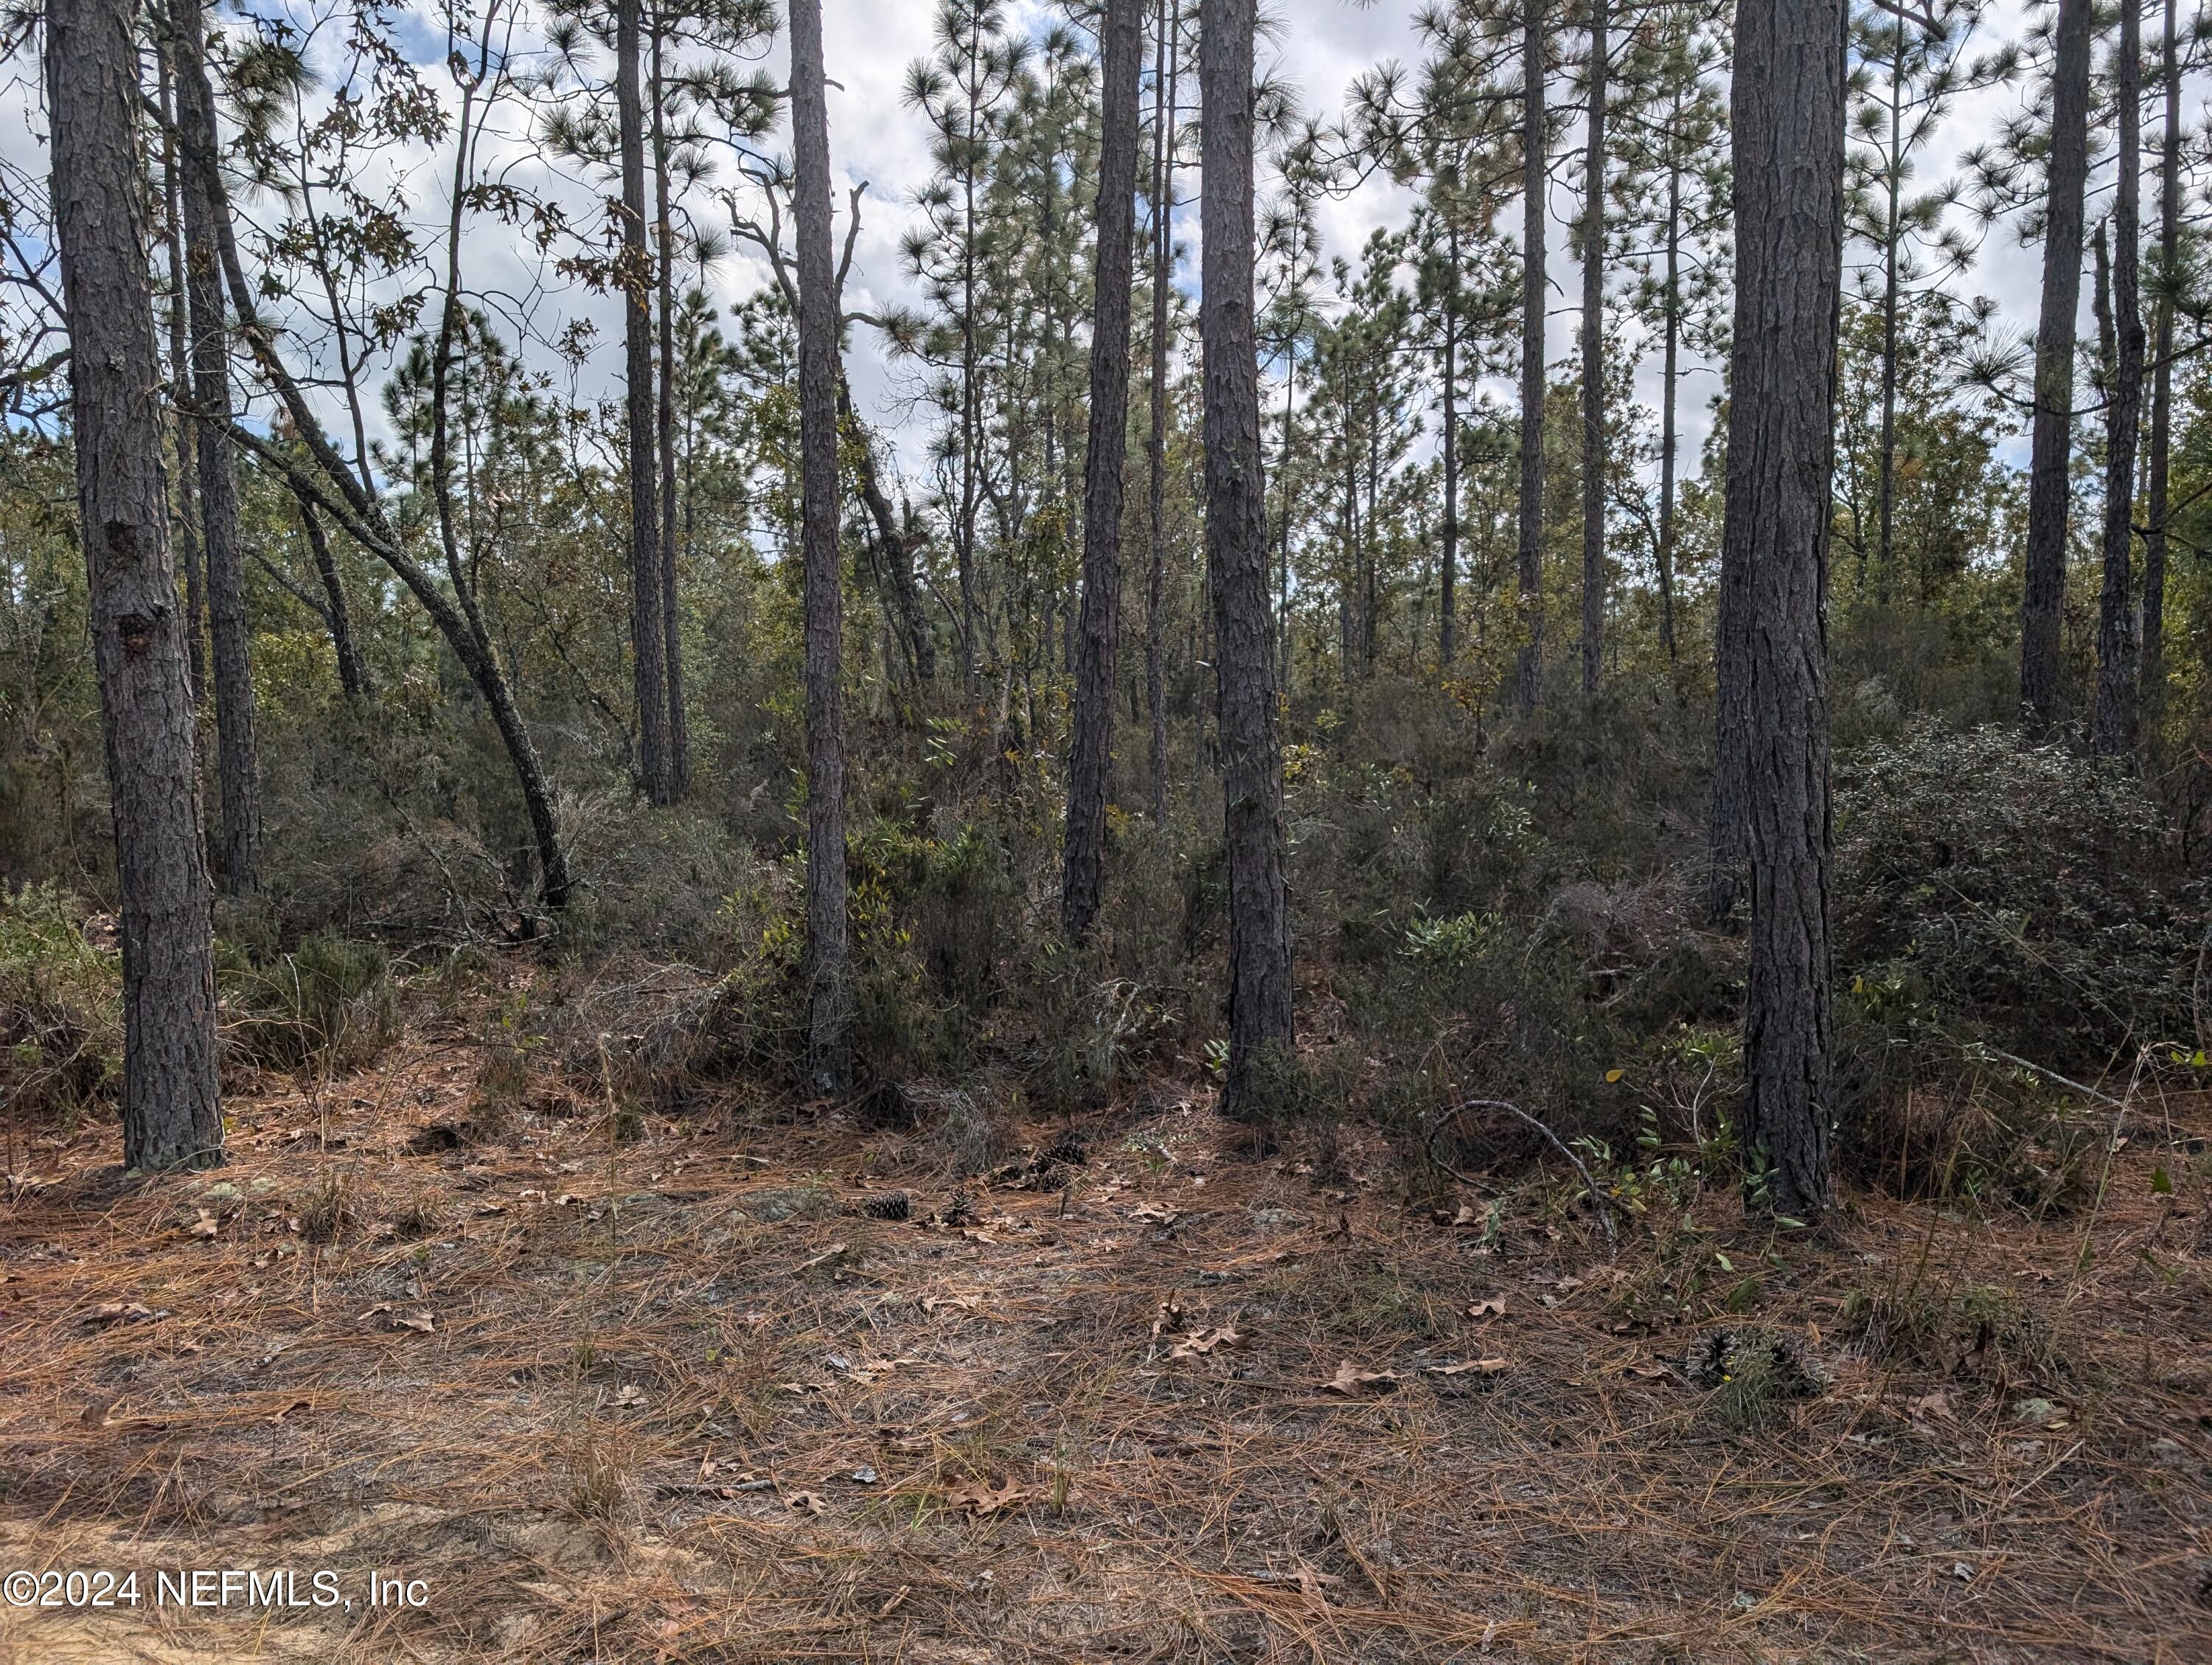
2044 592
1260 1022
829 998
352 679
1091 764
237 766
172 1116
1787 111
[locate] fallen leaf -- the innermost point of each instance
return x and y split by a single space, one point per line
1171 1314
864 1475
979 1498
1151 1211
1480 1366
1199 1341
1352 1382
952 1303
423 1322
95 1414
829 1254
291 1406
120 1312
205 1225
1648 1371
628 1397
1492 1308
809 1501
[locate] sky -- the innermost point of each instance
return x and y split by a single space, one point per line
1318 46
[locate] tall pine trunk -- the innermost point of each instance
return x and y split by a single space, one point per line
2152 702
1260 994
1447 575
648 627
1090 766
829 994
1787 112
2050 447
672 623
1164 66
180 382
2112 727
172 1116
1593 448
1534 182
237 766
1669 383
1886 548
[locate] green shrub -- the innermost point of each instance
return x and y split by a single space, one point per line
1991 888
61 1006
328 1001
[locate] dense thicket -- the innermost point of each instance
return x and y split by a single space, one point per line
1463 727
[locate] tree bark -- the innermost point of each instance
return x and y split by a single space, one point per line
829 995
1164 66
2044 589
1593 448
1670 376
2152 702
237 766
1260 1022
172 1116
1091 764
352 679
649 662
1787 112
671 621
180 383
1534 158
2112 727
1447 575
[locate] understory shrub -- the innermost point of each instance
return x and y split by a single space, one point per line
61 1005
327 1000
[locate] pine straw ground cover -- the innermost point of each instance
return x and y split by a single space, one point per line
672 1400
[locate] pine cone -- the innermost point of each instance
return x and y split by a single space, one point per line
960 1211
890 1205
1068 1148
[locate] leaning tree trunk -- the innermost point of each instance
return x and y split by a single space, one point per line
2051 448
671 623
1090 763
2153 672
353 678
1237 558
1787 112
1593 450
237 766
830 996
649 663
1529 670
172 1116
1164 66
2112 728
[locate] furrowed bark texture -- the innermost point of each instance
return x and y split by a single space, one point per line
830 996
171 1113
1787 110
1237 560
1091 764
2050 447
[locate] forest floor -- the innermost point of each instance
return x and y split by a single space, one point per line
675 1400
